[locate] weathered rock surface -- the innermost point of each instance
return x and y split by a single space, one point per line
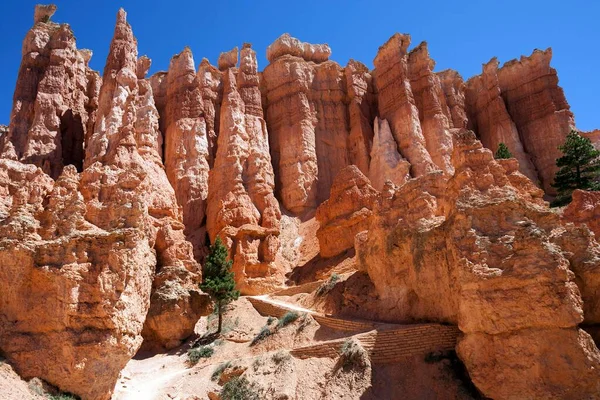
434 113
346 212
491 120
539 109
242 208
454 90
386 163
287 45
109 186
54 98
362 110
397 104
476 251
80 254
584 209
308 122
186 146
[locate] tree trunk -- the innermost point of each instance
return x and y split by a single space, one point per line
220 317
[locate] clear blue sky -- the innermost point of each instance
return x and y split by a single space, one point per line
461 34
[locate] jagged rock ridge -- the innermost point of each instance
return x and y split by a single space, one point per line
111 186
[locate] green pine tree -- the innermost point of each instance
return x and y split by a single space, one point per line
579 168
502 152
218 280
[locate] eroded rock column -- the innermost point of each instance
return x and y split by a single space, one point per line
242 208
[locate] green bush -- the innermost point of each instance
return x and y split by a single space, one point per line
353 354
502 152
287 319
195 354
270 320
263 334
327 286
219 370
239 388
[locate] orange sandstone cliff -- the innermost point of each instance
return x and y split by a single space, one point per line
112 185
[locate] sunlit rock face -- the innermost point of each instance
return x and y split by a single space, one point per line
112 186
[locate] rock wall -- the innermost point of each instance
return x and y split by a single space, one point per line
476 251
434 113
397 104
539 108
346 212
111 186
55 94
492 121
242 208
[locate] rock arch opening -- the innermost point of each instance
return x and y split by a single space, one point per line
72 136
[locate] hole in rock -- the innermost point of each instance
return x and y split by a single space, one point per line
72 135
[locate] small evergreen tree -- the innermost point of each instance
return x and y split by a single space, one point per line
502 152
218 280
579 168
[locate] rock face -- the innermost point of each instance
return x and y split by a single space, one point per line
55 94
539 108
362 110
434 113
186 146
242 208
584 209
307 119
397 103
386 163
522 105
93 258
346 212
476 251
491 119
454 90
110 187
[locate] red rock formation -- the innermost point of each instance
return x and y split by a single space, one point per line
359 88
386 163
539 108
454 90
594 136
397 104
80 255
491 119
307 119
241 206
186 146
346 212
54 98
430 100
211 87
584 209
478 252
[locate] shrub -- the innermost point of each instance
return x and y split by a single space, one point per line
502 152
195 354
219 370
281 356
239 388
270 320
263 334
327 286
287 319
353 354
62 396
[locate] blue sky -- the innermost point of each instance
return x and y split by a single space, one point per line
461 34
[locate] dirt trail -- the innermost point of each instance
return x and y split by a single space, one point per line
266 298
145 378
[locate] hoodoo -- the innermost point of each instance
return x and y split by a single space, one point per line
379 248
